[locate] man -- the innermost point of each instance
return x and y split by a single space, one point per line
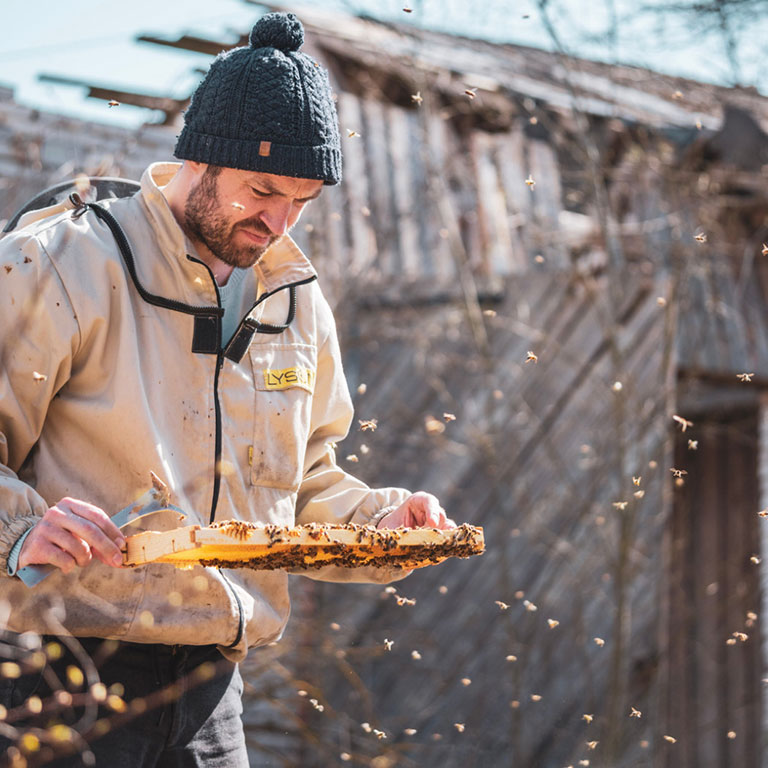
143 336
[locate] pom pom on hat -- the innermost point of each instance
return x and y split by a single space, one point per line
278 30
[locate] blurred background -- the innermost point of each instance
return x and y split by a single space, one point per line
548 267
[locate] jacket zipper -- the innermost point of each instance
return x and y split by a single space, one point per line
217 460
216 403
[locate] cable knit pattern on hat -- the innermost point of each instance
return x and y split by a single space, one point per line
265 107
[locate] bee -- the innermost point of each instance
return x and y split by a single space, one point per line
636 480
388 644
367 425
678 473
684 423
670 739
592 744
622 505
459 727
677 95
700 238
449 417
553 623
530 357
417 98
635 712
744 376
765 250
113 103
588 718
693 445
39 376
470 92
433 426
238 206
530 182
352 134
599 642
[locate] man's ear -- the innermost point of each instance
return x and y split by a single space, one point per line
196 168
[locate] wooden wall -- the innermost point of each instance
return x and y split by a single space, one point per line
713 700
539 454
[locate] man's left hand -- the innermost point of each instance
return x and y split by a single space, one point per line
421 510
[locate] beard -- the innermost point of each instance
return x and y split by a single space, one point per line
205 223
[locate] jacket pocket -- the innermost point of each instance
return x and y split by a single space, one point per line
284 379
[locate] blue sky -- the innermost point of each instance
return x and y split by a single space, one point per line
94 40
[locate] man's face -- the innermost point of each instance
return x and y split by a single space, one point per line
237 214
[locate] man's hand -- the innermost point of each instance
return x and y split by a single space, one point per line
421 510
72 533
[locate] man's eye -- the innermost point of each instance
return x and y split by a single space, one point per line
259 193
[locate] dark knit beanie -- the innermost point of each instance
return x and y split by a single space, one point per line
265 107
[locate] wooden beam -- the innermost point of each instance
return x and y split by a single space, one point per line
196 44
167 104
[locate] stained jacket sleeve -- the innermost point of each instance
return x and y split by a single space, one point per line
327 493
38 336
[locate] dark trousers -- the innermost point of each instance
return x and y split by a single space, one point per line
122 705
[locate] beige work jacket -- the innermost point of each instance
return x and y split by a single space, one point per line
99 386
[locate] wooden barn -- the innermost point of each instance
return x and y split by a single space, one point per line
550 283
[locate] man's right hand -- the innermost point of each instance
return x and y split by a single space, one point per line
71 533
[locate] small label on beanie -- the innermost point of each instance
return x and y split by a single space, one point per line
290 377
265 148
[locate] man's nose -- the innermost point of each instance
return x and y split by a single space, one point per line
275 216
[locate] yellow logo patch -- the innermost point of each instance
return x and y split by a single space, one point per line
289 377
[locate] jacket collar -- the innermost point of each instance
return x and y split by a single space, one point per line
282 264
